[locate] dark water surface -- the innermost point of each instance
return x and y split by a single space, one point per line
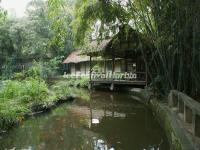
95 121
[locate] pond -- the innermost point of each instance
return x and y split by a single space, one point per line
95 121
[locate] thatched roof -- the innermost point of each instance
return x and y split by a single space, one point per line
76 57
127 41
96 47
100 45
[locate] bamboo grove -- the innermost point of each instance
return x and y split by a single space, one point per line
173 26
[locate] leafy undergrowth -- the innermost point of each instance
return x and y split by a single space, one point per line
82 82
24 96
18 98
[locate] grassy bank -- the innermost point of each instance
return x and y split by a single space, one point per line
72 82
19 98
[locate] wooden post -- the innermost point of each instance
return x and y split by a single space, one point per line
90 68
75 68
113 65
146 79
85 68
125 61
146 75
105 67
113 108
112 86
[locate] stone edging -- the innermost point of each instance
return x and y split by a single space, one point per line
176 135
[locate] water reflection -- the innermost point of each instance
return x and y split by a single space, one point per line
94 121
101 145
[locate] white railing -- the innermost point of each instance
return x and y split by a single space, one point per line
120 76
188 110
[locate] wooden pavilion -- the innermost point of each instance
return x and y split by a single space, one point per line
77 64
126 49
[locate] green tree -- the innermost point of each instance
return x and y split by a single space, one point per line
60 14
3 15
172 27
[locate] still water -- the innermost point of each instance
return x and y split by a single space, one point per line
94 121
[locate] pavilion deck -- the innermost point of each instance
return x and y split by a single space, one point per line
118 82
140 80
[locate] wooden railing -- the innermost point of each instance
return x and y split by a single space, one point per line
188 110
127 76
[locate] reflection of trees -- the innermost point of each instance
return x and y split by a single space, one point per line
67 133
125 121
82 94
120 122
59 130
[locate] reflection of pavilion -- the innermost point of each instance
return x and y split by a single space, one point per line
97 115
101 145
104 108
108 109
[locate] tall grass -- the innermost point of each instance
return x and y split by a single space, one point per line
22 96
18 97
29 90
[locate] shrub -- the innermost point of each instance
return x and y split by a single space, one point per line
34 71
34 90
96 68
18 97
29 90
45 69
84 82
60 89
19 76
10 89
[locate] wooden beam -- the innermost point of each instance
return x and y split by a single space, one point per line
146 75
105 67
90 67
113 64
85 68
75 68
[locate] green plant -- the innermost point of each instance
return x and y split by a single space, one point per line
50 67
32 89
35 90
18 97
96 68
84 82
60 89
34 71
19 76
